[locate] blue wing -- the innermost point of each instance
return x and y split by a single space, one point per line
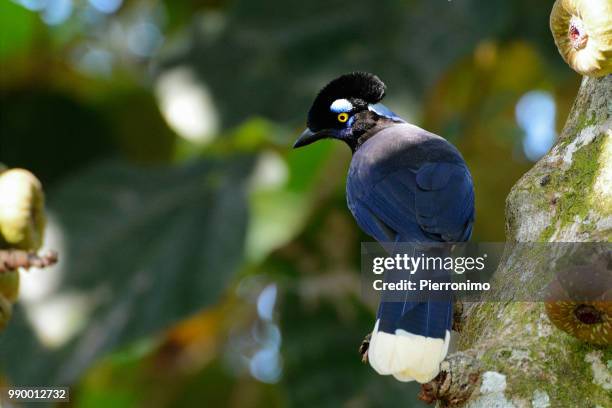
433 203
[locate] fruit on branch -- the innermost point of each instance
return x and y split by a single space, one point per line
22 216
579 301
22 225
582 30
590 322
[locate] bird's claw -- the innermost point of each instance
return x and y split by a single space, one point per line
363 348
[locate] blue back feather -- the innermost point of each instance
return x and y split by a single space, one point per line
408 185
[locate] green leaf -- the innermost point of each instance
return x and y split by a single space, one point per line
146 246
280 212
16 28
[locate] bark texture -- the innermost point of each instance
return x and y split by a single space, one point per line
511 355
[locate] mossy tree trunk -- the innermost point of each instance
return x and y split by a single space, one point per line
511 355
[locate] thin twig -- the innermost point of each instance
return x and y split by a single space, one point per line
11 259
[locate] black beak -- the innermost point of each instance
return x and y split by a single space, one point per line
308 136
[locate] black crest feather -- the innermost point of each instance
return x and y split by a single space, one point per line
360 87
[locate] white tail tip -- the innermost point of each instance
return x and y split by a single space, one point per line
407 356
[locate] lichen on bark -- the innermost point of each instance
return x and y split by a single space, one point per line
565 197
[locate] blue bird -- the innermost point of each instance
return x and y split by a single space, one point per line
404 184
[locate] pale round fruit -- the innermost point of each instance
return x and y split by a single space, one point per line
22 213
582 30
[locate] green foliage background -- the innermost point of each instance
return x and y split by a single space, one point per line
172 242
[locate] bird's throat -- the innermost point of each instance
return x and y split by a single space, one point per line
367 128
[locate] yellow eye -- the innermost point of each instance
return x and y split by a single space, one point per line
343 117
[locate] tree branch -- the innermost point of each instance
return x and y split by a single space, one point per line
12 259
523 360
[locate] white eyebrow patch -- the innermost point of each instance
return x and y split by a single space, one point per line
341 105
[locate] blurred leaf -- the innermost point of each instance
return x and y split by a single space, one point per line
189 367
256 131
322 366
283 55
215 387
107 398
277 217
279 212
116 380
141 133
50 133
147 247
305 165
16 28
180 12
